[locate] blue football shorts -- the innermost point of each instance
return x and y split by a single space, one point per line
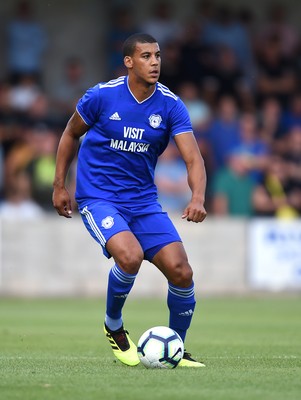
151 226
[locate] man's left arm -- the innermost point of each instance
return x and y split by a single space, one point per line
189 150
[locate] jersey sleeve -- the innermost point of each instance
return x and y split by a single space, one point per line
88 106
179 119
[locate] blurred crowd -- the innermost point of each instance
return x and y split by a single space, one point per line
239 78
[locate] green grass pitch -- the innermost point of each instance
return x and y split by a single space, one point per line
55 349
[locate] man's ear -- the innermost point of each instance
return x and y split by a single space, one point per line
128 62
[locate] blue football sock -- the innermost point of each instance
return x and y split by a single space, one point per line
181 304
119 286
113 324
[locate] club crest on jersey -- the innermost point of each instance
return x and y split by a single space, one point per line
155 120
107 222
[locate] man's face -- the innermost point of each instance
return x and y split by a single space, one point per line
145 63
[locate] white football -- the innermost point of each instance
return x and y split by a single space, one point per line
160 347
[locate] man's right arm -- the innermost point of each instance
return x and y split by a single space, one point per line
67 149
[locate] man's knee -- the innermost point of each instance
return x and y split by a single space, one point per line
126 251
181 274
130 260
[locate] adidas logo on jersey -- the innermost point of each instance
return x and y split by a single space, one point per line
115 117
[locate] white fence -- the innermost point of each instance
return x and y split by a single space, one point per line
57 257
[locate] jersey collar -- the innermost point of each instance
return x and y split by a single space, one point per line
139 102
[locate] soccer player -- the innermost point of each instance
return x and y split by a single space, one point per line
127 123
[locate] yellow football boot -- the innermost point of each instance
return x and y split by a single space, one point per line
188 361
123 348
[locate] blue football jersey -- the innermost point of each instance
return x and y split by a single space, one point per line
119 152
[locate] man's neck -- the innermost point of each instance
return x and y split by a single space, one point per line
141 91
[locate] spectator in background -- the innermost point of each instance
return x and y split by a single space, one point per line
24 94
9 122
246 17
291 115
226 30
42 166
26 103
270 127
196 59
20 154
18 203
205 11
276 196
69 89
161 23
276 75
171 180
292 156
122 25
223 132
170 68
232 189
290 121
199 112
229 78
26 43
276 24
1 168
252 151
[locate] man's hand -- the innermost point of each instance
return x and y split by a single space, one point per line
61 202
195 212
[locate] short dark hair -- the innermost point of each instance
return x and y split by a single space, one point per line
129 45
